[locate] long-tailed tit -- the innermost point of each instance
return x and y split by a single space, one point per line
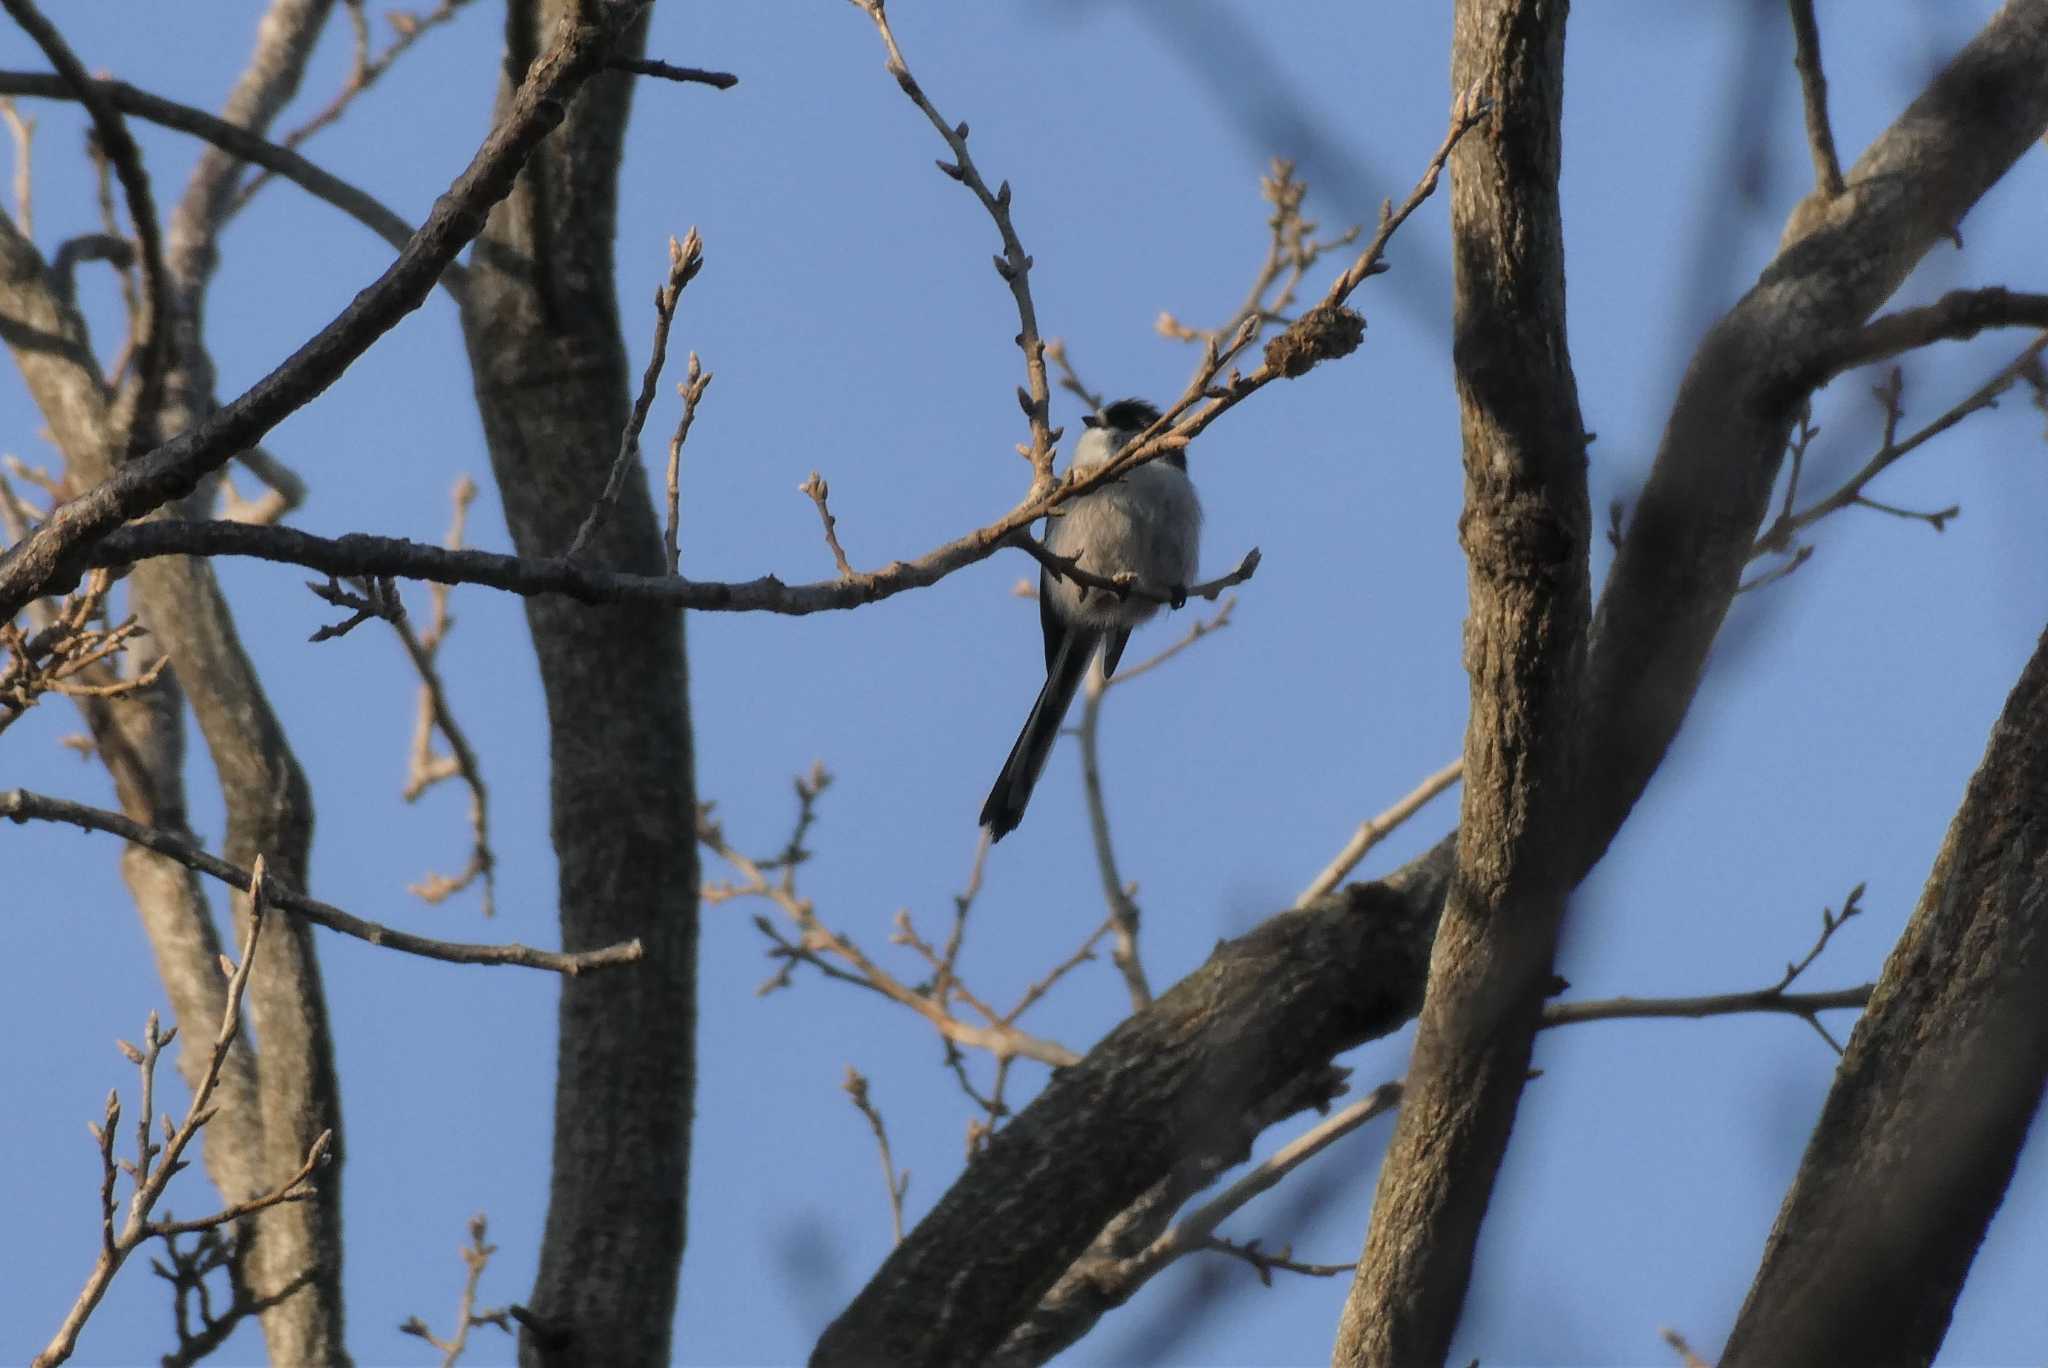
1147 523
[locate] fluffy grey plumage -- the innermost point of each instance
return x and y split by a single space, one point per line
1147 523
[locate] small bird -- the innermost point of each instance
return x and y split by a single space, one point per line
1148 523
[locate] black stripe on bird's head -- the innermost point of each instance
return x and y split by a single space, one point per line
1125 415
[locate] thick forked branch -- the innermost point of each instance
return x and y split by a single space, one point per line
1931 1105
1095 1137
1163 1093
1691 532
37 564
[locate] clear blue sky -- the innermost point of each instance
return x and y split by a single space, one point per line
855 327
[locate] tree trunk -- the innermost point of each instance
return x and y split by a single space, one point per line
1931 1105
542 325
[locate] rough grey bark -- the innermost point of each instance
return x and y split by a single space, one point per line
1664 601
542 323
1525 530
1931 1105
296 1255
1164 1091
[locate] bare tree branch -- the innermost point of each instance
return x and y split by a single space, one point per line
243 145
685 259
1376 829
22 806
815 940
1780 535
1930 1108
856 1088
34 566
1813 82
1099 1134
666 71
1123 905
358 555
691 388
476 1256
1956 316
150 1178
1014 266
437 714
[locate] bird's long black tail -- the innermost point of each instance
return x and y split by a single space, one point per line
1007 800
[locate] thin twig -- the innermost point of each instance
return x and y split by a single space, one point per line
375 596
1806 1006
685 259
1820 138
365 69
820 492
150 1178
476 1256
1292 250
436 714
1784 529
903 932
1124 915
21 805
815 940
187 1271
1194 1230
66 655
1376 829
696 380
1281 1261
1044 983
1014 266
647 66
963 903
1831 922
1711 1005
856 1087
